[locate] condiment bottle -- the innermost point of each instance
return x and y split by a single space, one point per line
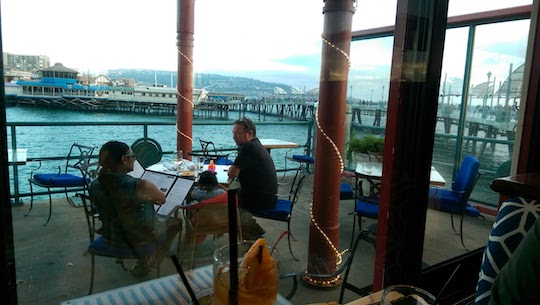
212 166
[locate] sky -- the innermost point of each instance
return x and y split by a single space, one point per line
252 38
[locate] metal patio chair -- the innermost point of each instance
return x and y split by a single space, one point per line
76 175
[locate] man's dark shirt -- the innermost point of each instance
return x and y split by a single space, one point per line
258 178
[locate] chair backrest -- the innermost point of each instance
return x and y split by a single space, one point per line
210 216
210 152
90 214
467 175
79 156
297 183
207 147
147 150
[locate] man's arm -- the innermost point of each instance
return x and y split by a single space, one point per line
146 190
233 172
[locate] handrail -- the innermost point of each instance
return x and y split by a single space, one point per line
15 168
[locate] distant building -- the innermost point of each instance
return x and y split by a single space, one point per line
27 63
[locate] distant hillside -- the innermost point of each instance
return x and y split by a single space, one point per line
211 82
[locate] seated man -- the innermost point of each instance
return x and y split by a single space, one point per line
257 174
126 205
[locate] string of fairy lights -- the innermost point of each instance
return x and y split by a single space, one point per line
339 255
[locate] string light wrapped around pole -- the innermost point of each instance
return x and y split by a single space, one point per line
323 254
184 107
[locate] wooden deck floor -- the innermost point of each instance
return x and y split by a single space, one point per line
52 267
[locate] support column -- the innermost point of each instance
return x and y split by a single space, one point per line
324 227
184 107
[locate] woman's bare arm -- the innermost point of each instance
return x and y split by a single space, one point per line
146 190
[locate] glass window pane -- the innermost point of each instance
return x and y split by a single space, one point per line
463 7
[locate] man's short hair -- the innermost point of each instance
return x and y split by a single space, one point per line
248 125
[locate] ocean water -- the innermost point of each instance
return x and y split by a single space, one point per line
55 141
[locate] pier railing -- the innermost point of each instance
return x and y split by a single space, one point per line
48 142
39 137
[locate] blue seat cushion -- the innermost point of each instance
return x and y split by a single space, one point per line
515 218
59 179
224 161
102 247
345 191
367 208
282 211
448 201
304 158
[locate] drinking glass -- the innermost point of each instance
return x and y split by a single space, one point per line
406 295
255 285
178 159
205 296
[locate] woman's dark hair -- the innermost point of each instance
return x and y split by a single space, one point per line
208 180
111 154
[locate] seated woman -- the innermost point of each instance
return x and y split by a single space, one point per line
208 187
126 205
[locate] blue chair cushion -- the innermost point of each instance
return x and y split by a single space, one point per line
282 211
59 179
367 208
102 247
224 161
515 218
446 201
304 158
345 191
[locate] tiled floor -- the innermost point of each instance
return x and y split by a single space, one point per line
52 266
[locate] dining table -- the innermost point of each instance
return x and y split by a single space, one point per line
276 143
168 167
18 156
163 290
372 171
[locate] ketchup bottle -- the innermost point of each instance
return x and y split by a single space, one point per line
212 166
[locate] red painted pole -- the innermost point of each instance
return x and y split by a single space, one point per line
322 254
184 107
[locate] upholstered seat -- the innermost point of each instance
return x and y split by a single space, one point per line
102 247
280 212
515 218
345 191
456 199
368 207
60 179
447 202
285 205
76 175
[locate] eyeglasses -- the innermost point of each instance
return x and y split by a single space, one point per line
131 156
244 122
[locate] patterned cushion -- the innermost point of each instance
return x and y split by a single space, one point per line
515 218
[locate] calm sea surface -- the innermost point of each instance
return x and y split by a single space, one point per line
55 141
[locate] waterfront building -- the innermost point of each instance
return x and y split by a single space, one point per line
28 63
